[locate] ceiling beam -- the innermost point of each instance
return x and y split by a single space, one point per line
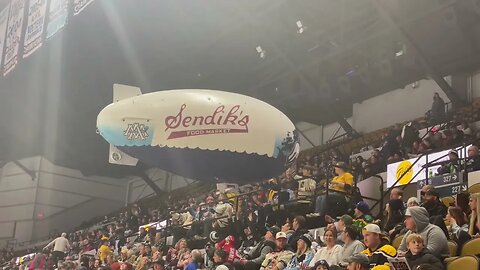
350 46
151 184
305 80
419 53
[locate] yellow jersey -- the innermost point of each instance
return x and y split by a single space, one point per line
347 178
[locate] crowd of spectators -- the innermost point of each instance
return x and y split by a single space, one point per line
269 226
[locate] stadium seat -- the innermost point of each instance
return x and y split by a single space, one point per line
397 241
452 246
471 247
474 189
464 262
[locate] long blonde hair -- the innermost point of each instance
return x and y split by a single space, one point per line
475 215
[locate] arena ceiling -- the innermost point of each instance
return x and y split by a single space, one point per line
312 59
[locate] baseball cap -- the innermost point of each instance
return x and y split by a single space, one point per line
453 151
359 258
280 235
341 165
372 228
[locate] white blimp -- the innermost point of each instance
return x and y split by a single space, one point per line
199 134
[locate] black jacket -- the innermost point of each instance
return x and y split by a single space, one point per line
435 208
414 260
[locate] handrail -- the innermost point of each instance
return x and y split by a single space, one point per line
399 178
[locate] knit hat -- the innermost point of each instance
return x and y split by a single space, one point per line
363 207
214 237
307 239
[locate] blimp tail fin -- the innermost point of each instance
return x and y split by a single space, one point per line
122 91
120 158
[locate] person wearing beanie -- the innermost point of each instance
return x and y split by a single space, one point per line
362 216
304 253
417 221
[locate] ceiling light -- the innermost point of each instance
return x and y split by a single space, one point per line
261 52
301 27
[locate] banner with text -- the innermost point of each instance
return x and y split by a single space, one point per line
57 16
14 34
35 22
3 29
397 169
80 5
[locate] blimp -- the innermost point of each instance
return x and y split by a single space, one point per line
200 134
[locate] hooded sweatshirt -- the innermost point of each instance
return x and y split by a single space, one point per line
435 241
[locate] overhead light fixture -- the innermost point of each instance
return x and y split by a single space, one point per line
301 27
261 52
415 84
401 51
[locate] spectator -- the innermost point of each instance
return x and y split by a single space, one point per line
196 262
321 265
395 209
438 109
416 254
256 256
228 244
466 130
378 251
343 222
60 248
298 225
158 264
287 228
416 221
474 225
452 166
458 220
412 201
339 185
219 259
358 262
279 259
362 216
351 247
409 136
330 252
433 205
473 161
250 239
304 253
39 262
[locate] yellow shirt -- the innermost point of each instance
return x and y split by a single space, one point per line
347 178
104 251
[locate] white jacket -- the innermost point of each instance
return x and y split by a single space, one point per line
61 244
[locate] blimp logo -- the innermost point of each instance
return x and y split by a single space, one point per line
200 134
228 122
136 131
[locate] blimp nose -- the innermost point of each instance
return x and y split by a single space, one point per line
107 120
